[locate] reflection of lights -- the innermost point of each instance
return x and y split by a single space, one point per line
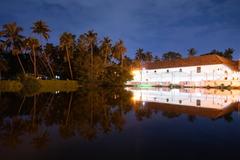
57 92
134 98
143 103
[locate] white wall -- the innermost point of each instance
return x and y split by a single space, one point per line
185 75
187 97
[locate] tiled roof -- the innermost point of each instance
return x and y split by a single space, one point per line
193 61
191 110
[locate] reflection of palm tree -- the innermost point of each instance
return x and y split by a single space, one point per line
41 140
20 108
118 120
69 107
191 118
13 131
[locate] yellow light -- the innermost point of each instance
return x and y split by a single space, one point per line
135 72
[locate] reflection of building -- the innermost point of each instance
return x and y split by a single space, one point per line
210 103
208 70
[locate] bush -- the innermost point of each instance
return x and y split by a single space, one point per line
31 85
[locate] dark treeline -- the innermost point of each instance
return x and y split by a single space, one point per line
84 57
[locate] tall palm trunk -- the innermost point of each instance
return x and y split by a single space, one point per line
49 65
20 62
45 66
91 62
122 61
34 61
69 63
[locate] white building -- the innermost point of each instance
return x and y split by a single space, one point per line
199 71
205 102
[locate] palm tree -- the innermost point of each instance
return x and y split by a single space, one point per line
119 50
91 40
33 44
48 52
192 52
106 48
149 56
171 55
228 53
140 56
67 43
41 28
13 41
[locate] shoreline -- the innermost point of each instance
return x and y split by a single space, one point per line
42 86
73 85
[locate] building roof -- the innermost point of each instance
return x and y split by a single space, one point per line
193 61
191 110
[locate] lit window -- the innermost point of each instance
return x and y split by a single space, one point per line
198 69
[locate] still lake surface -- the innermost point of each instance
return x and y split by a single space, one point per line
121 123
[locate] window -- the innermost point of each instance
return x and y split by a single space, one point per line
167 99
180 70
155 71
167 71
198 102
198 69
180 101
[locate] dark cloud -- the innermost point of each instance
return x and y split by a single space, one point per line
154 25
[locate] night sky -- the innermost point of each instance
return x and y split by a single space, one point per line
154 25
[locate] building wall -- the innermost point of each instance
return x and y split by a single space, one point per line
187 76
188 97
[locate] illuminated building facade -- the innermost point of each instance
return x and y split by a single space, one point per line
199 71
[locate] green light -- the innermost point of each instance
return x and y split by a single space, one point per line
144 85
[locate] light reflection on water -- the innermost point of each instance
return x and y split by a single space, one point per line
188 99
136 122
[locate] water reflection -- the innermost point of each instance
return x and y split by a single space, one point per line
88 113
211 103
84 113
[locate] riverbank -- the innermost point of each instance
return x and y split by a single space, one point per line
43 85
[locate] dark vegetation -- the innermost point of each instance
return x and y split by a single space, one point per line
84 58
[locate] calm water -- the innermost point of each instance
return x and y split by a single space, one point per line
121 124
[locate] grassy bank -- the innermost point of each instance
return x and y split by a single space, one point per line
42 86
58 85
10 86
